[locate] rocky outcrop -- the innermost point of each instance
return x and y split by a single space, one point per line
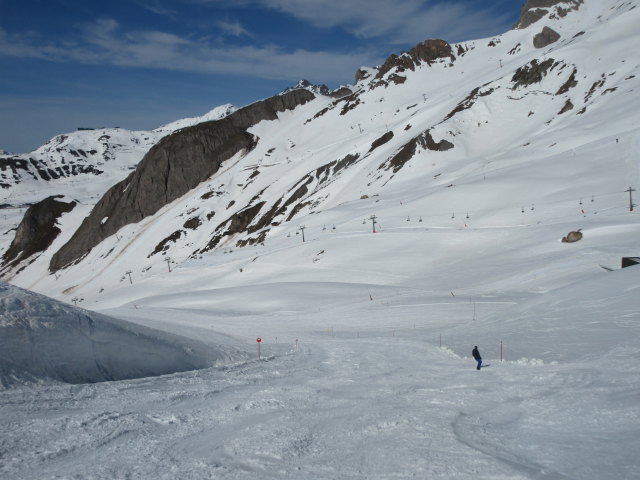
237 223
566 107
570 83
534 10
408 150
381 141
175 165
362 74
37 230
546 37
427 52
470 100
340 92
292 202
532 72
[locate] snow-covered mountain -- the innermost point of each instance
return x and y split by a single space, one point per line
82 164
499 176
215 114
485 129
103 155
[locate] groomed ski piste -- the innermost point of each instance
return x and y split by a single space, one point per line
365 367
348 387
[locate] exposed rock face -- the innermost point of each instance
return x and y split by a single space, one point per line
295 195
546 37
237 223
570 83
470 100
534 10
37 231
381 141
362 74
566 107
340 92
406 153
429 51
532 72
175 165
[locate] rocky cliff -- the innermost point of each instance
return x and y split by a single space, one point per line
534 10
37 231
172 167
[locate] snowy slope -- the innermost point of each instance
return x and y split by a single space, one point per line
366 368
215 114
43 340
357 388
516 161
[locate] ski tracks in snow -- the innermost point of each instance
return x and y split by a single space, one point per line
365 408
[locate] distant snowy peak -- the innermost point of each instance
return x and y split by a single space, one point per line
320 90
216 114
107 153
85 152
306 85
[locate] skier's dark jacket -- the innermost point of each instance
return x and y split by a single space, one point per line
476 354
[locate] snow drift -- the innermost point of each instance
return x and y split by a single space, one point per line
41 339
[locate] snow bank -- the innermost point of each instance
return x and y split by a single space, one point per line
44 340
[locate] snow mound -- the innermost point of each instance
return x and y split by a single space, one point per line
45 340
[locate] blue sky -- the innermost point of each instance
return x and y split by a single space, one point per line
139 64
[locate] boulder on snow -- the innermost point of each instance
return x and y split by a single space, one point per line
572 237
546 37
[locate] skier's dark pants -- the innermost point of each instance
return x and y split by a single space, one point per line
479 363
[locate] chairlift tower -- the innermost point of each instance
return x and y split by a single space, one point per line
373 222
630 190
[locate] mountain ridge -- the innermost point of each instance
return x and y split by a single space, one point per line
430 122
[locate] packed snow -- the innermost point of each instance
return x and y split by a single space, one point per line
43 340
364 368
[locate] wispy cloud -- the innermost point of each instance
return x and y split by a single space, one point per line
157 7
233 28
105 42
397 22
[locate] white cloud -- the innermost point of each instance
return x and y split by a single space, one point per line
233 28
399 22
104 42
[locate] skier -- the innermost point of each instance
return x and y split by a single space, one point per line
476 355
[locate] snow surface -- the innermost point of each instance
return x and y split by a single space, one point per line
366 368
215 114
43 340
367 393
